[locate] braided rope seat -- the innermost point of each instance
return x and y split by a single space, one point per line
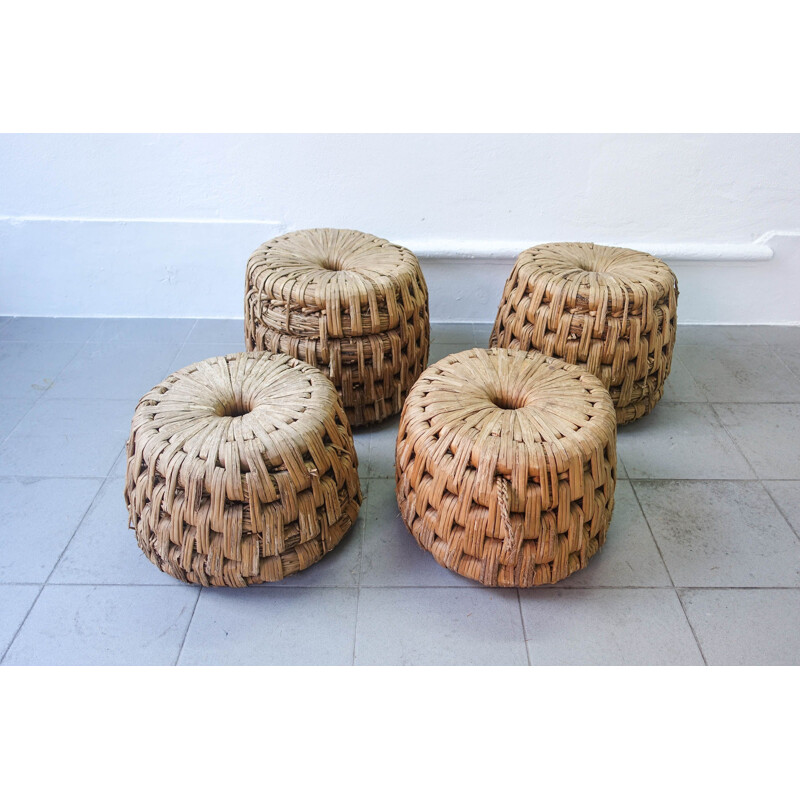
352 304
506 465
241 469
609 309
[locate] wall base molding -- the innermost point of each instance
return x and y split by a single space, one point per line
195 268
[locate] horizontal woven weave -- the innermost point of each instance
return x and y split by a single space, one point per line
506 465
354 305
241 469
609 309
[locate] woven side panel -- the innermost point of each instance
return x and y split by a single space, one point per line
241 469
506 466
610 310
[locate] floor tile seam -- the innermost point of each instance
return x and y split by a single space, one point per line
58 375
551 587
335 587
730 402
707 480
676 357
365 511
775 503
524 632
89 507
773 350
22 418
188 626
785 363
53 477
43 394
81 342
172 366
669 574
178 344
21 583
365 507
177 584
730 435
98 398
652 534
21 624
691 628
355 627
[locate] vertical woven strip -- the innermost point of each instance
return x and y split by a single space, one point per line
241 469
352 304
506 466
611 310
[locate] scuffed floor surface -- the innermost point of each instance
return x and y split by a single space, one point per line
702 563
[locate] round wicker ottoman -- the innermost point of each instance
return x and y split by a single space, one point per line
506 465
241 469
609 309
352 304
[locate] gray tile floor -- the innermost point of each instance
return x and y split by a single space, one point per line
702 563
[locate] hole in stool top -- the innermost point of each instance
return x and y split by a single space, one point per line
508 401
333 263
234 408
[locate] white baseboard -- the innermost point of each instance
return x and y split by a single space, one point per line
195 268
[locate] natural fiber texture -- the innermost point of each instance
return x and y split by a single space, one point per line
354 305
506 465
241 469
609 309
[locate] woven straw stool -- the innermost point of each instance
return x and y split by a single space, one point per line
241 469
352 304
506 465
609 309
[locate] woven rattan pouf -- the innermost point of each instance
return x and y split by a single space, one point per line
241 469
506 465
352 304
609 309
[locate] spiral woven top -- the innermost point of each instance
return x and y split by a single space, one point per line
359 283
224 426
594 276
521 415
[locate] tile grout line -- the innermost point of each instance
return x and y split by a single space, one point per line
780 510
741 452
19 421
365 507
785 364
19 627
44 393
103 482
524 633
172 366
691 627
759 479
669 574
50 574
355 626
676 357
186 632
474 586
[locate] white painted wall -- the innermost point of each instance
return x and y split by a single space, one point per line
159 225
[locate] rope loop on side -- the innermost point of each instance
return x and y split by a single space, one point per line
510 551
